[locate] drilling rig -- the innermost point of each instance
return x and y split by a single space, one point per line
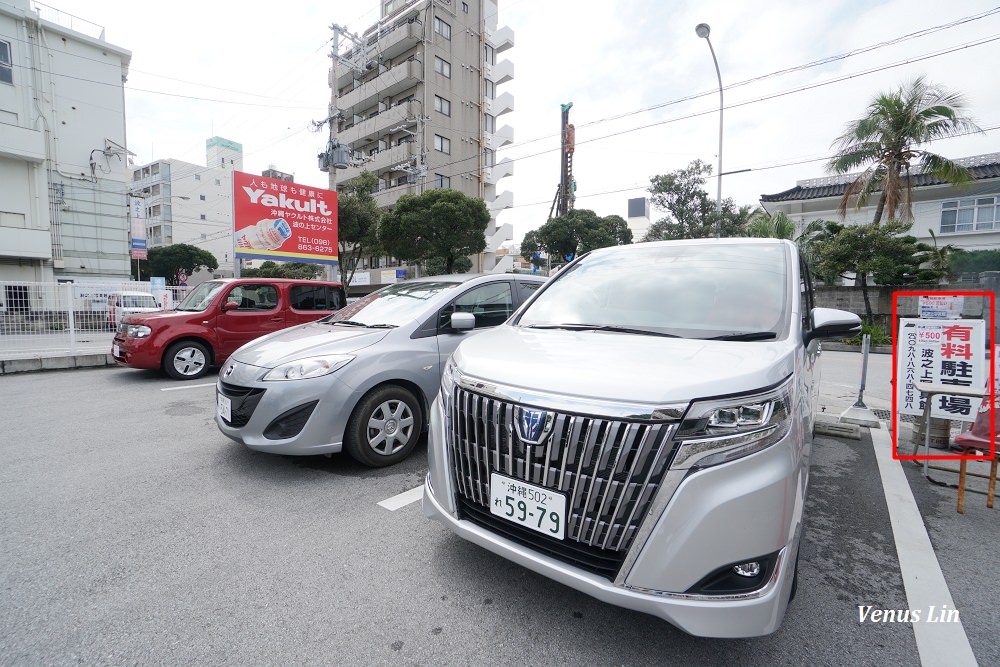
566 191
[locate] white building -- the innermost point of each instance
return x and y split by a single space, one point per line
63 157
638 218
967 216
421 106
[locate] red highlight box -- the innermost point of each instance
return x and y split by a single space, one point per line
989 396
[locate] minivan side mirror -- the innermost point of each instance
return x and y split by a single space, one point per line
230 305
832 323
463 321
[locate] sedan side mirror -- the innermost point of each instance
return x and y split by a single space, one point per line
230 305
463 321
832 323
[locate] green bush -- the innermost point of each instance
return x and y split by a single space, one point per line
877 333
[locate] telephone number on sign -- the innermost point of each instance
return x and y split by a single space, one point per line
308 247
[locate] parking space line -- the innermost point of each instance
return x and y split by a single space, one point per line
937 643
403 499
188 386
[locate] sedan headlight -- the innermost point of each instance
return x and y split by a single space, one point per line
723 430
138 331
311 367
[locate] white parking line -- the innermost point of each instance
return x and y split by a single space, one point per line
403 499
937 643
187 386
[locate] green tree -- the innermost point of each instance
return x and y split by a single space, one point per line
975 261
770 226
270 269
438 266
577 232
358 218
441 223
691 212
885 251
167 261
884 145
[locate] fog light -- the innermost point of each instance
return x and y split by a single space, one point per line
751 569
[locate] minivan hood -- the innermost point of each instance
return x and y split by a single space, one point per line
307 340
622 367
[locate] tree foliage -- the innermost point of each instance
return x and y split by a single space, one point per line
884 146
358 218
975 261
168 261
437 266
691 212
577 232
269 269
442 223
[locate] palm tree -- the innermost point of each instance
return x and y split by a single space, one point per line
769 226
884 145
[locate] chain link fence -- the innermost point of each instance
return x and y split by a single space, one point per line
68 318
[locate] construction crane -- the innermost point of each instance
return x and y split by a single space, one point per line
566 191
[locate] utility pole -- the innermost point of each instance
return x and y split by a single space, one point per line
566 192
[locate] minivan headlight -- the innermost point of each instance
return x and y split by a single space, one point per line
722 430
449 378
138 331
310 367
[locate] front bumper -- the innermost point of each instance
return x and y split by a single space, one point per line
721 515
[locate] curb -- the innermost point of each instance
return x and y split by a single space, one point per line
65 362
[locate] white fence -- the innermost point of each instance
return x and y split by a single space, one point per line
54 319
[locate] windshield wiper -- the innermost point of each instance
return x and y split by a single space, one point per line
381 326
746 335
602 327
349 323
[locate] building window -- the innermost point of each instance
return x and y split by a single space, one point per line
203 216
201 197
442 181
6 63
966 215
442 28
403 180
491 90
489 157
489 123
197 177
218 182
465 7
442 144
442 105
490 55
442 67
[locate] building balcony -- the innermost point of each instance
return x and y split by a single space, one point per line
503 200
502 104
501 39
503 234
370 130
391 195
501 72
500 170
502 137
382 161
386 45
397 79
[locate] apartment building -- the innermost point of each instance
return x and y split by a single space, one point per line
418 101
63 158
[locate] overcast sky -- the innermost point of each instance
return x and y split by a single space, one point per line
642 83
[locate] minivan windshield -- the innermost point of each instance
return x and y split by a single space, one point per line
138 301
710 291
390 306
201 297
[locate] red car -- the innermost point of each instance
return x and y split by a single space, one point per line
218 317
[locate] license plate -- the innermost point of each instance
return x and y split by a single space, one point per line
534 507
225 405
115 350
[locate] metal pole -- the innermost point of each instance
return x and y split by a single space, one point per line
865 343
703 30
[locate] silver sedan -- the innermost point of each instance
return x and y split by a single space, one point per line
361 380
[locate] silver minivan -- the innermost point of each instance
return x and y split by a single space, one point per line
641 430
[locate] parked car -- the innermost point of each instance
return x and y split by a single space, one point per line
121 304
217 317
360 380
641 430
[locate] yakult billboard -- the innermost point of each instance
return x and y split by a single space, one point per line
274 219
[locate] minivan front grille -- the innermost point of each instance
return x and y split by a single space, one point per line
609 470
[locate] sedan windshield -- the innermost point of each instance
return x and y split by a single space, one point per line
720 292
390 306
201 297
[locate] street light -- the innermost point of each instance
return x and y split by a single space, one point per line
702 30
